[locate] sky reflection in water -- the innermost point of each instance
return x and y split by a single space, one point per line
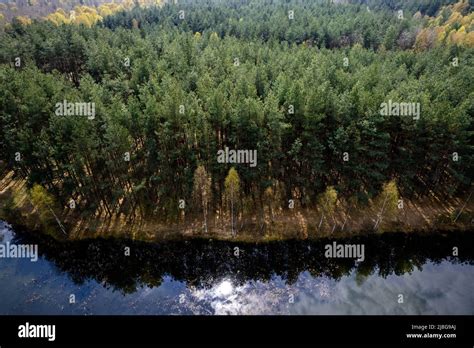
440 287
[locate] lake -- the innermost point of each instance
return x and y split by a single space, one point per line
214 277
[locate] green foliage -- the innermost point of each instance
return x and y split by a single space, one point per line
327 201
232 184
181 99
44 203
386 203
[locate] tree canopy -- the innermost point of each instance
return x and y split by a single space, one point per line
173 85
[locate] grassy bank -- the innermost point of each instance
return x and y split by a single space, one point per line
420 215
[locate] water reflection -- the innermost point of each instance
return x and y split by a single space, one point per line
204 277
212 264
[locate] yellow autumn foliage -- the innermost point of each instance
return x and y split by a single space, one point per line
456 37
469 39
57 18
23 20
87 15
461 6
455 30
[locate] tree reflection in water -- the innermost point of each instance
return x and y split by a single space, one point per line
200 263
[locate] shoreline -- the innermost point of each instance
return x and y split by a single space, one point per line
424 215
23 231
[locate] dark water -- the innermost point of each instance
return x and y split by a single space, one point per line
205 277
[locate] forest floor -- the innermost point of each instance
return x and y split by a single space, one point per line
422 215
